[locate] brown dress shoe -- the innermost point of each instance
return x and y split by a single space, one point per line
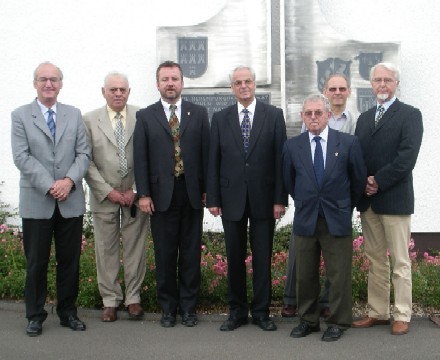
288 311
367 322
109 314
135 312
399 327
325 312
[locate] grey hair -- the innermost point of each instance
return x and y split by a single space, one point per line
317 97
48 63
389 66
241 67
115 74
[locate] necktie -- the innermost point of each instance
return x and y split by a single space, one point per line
318 162
246 129
51 122
175 133
120 139
380 112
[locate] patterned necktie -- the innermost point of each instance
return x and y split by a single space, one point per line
175 133
51 122
318 162
120 139
246 129
380 112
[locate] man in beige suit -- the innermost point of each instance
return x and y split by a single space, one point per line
112 199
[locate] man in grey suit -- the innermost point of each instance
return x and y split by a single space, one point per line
49 147
112 199
171 144
324 172
390 135
245 185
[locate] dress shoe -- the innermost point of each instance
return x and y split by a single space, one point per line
399 327
74 323
233 323
303 330
189 319
34 328
168 320
332 333
135 312
367 322
264 323
109 314
325 312
288 311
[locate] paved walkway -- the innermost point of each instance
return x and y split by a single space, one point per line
126 340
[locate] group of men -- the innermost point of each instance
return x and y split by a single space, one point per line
165 163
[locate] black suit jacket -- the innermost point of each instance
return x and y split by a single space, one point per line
233 175
390 151
154 153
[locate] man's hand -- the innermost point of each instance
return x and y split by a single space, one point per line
129 197
216 211
116 197
60 189
146 205
371 188
278 211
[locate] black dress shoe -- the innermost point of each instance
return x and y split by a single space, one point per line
34 328
74 323
233 323
265 323
332 333
189 319
303 330
168 320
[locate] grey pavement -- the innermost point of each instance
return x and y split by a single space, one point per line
126 340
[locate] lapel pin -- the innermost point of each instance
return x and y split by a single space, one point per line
336 154
189 113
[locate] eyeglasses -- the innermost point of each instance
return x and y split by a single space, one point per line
247 82
115 89
309 113
341 89
385 80
44 80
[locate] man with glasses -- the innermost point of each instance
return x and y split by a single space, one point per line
324 172
390 135
245 185
49 147
337 90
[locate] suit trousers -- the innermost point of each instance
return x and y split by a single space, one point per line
261 233
337 254
37 241
289 297
177 237
393 233
111 230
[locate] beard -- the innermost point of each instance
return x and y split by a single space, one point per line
382 97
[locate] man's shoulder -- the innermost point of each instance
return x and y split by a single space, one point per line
66 107
151 107
94 113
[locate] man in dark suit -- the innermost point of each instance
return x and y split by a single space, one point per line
390 135
245 185
112 200
49 146
324 172
171 144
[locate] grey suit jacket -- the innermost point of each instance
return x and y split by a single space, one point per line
103 174
42 161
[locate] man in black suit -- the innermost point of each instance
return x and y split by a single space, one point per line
245 185
324 172
171 144
390 135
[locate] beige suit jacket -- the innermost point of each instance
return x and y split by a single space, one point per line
104 174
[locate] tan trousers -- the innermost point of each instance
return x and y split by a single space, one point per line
393 233
112 229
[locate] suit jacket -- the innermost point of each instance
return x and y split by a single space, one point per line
42 161
390 152
154 153
234 176
344 181
103 174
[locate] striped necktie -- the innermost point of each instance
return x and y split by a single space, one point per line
51 122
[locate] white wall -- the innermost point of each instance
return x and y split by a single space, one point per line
88 38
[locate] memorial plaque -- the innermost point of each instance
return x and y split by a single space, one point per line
366 99
217 102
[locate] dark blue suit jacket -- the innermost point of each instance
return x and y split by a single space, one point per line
344 181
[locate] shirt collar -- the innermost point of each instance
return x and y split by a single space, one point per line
323 134
251 107
387 104
44 109
112 113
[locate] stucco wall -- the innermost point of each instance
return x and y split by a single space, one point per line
89 38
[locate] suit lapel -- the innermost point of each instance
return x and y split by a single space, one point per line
332 152
161 117
185 115
257 125
388 115
61 122
104 123
130 123
39 120
306 155
234 124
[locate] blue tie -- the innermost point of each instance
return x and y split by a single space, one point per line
51 122
246 129
318 162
